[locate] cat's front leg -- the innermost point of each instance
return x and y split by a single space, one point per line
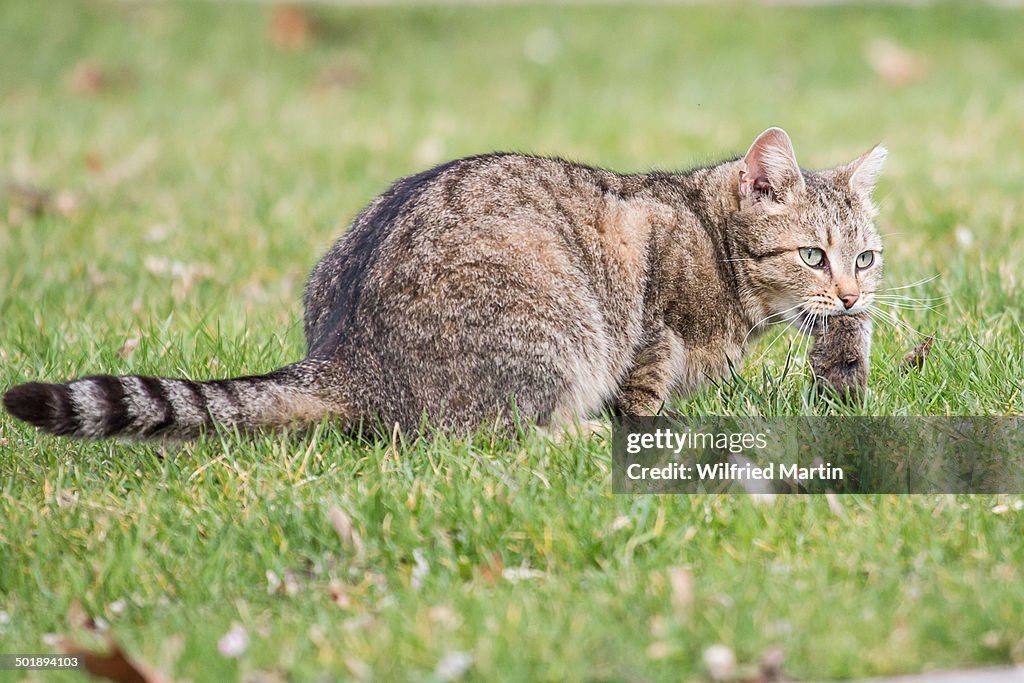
647 385
841 353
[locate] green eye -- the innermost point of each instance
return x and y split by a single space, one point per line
812 256
865 259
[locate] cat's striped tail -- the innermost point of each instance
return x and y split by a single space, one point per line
153 408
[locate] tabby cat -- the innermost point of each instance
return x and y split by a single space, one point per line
507 287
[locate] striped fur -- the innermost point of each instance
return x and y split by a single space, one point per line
153 407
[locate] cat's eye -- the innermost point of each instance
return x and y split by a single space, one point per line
812 256
865 259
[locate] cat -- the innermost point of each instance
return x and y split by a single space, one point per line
505 287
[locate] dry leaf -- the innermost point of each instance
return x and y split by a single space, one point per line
128 348
113 665
94 162
343 73
393 451
492 571
350 538
290 27
87 78
680 580
914 360
896 65
184 276
771 666
720 662
518 574
659 649
78 618
90 78
130 167
66 203
420 568
453 666
339 595
835 505
235 642
33 200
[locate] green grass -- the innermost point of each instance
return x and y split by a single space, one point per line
215 169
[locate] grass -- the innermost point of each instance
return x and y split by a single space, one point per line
208 169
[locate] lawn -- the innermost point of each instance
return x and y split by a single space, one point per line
172 173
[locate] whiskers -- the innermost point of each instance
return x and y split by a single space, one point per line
890 317
885 305
808 322
767 321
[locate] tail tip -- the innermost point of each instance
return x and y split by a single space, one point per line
46 406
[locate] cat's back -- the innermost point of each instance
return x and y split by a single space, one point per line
485 212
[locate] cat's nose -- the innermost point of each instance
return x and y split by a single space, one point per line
848 300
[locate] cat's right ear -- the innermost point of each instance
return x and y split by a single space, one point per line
770 174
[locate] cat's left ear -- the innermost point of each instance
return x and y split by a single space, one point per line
862 174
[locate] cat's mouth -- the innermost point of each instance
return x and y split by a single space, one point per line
810 318
829 307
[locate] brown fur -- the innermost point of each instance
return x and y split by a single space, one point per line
508 287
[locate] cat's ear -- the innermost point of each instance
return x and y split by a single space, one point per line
863 173
770 174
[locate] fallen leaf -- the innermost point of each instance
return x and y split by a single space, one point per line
344 73
128 348
720 662
835 505
393 450
659 649
517 574
235 642
339 595
491 571
896 65
343 526
290 27
79 618
130 167
420 568
622 522
113 665
453 666
33 200
771 665
66 203
184 276
444 615
94 162
680 580
88 77
914 360
964 236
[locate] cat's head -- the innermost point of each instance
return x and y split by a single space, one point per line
806 240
